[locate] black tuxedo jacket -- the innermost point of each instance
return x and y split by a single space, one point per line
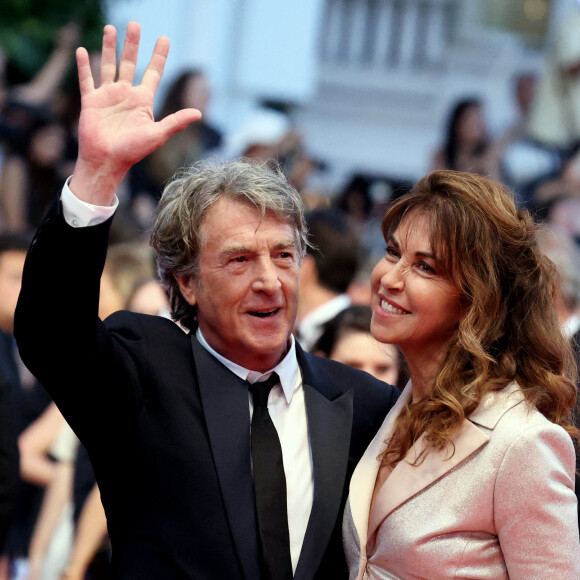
168 428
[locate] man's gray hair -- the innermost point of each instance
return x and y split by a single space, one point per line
178 233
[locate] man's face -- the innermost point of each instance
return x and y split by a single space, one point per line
11 266
247 288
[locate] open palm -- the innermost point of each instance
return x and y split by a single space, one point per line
116 126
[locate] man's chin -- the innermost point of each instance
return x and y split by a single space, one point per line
269 347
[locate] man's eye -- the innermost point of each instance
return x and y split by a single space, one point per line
392 251
239 259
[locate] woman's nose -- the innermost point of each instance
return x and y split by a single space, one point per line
393 277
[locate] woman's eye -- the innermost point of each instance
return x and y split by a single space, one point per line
424 267
392 251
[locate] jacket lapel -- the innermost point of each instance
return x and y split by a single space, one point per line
496 404
329 429
224 398
362 483
406 481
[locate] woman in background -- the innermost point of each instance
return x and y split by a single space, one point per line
189 89
347 338
472 473
467 145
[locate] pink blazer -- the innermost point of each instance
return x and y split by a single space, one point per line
502 506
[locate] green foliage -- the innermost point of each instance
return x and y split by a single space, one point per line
28 29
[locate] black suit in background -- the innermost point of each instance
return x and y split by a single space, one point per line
168 428
20 405
9 384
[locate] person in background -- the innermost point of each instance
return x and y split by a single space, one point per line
564 251
266 135
12 253
472 473
28 180
356 202
28 418
70 534
327 270
467 145
146 179
21 107
525 162
347 339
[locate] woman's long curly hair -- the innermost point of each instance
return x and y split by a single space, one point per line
510 329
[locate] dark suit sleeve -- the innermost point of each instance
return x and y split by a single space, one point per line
59 335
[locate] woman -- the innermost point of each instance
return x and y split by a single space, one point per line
472 473
190 89
347 338
467 146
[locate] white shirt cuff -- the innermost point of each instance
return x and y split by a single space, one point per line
80 214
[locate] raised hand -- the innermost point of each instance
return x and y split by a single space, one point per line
116 126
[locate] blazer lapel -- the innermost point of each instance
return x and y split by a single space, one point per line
406 480
495 404
224 398
329 429
362 483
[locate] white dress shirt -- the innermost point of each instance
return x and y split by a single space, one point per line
286 403
311 326
571 326
288 411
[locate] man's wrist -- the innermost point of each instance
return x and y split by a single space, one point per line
78 213
95 184
72 572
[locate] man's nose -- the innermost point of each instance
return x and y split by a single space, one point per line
266 277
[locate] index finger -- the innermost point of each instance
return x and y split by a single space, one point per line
154 70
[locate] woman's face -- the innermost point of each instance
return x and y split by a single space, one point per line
48 144
414 305
149 298
470 127
361 351
197 93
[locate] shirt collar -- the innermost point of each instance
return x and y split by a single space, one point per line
571 326
310 327
287 369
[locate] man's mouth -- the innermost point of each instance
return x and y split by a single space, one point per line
263 313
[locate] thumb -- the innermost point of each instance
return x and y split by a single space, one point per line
176 122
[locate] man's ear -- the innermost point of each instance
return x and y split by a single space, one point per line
187 288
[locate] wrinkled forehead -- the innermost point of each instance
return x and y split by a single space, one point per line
408 221
229 209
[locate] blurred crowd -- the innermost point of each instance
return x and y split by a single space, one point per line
57 525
